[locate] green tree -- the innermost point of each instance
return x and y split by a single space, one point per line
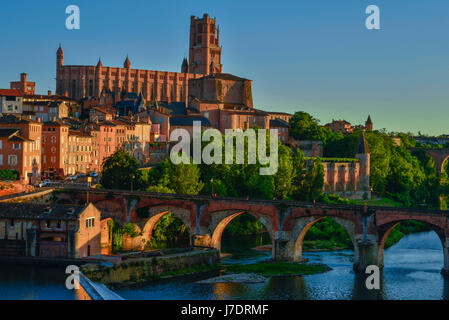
308 177
305 127
181 178
282 180
121 171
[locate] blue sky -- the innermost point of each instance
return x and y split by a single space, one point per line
316 56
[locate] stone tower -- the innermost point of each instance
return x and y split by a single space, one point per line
59 65
363 154
369 124
205 50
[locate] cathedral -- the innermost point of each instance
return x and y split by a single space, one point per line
80 82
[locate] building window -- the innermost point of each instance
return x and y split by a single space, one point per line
90 222
12 160
16 146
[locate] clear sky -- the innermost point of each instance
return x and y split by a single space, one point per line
315 55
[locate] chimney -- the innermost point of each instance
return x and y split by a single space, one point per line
49 92
23 77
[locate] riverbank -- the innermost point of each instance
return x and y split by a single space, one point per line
142 268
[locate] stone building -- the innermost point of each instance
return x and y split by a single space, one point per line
55 139
11 101
24 86
349 178
283 128
30 229
20 147
346 127
89 81
79 155
310 148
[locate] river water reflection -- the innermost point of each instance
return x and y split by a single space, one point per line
412 271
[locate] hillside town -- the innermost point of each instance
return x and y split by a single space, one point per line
98 110
128 182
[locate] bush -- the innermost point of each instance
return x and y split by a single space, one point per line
9 175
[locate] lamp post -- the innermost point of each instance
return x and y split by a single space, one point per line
212 182
132 180
89 179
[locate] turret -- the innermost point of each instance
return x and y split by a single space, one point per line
363 154
185 66
59 57
99 64
127 63
369 124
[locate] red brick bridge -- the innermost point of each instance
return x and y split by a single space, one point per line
439 156
286 221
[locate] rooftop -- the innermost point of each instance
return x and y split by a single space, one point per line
279 123
15 119
188 121
7 132
39 211
223 76
10 92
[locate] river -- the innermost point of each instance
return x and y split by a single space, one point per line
412 271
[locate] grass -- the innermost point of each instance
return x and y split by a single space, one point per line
382 202
278 268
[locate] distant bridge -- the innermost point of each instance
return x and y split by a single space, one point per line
287 222
438 155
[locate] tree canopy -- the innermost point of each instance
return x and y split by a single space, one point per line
121 171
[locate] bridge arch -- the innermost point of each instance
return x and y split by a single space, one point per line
303 225
220 219
439 156
444 161
388 227
156 212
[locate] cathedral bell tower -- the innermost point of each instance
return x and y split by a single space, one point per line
205 50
